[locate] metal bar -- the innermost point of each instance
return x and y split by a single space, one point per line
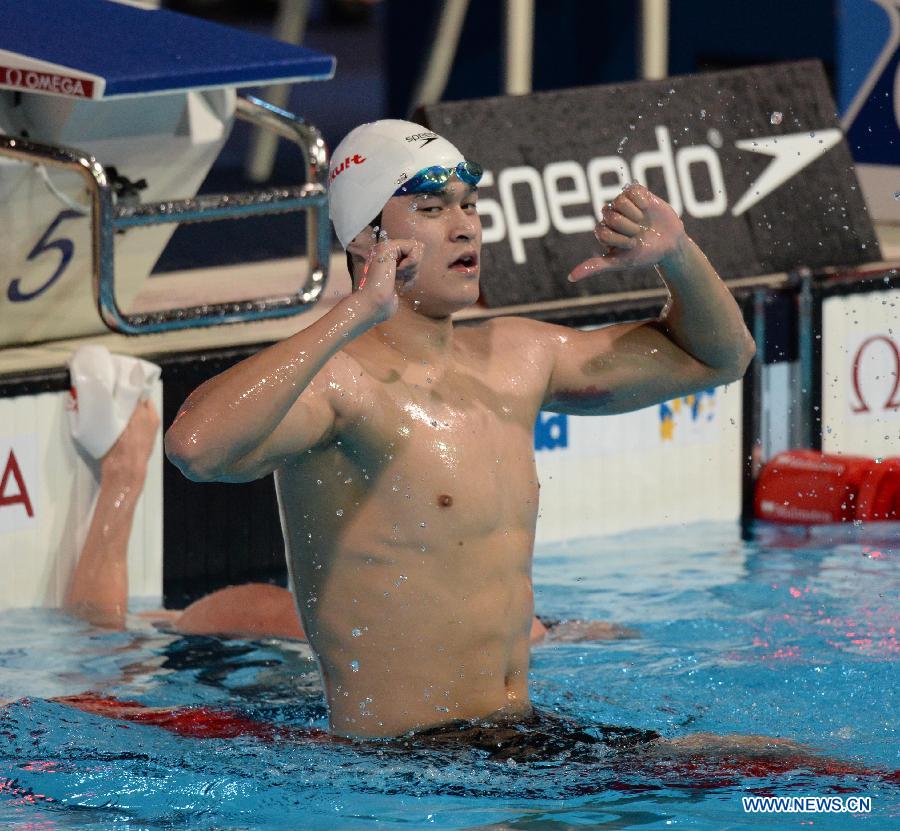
753 451
106 219
816 342
433 82
315 156
805 350
758 366
654 46
518 46
290 27
221 206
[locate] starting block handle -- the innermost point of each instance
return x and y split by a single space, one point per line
107 218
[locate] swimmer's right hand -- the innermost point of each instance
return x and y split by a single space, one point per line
390 270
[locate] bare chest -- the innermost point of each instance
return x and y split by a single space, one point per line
456 442
430 462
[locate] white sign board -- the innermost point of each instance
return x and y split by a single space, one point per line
672 463
861 374
46 493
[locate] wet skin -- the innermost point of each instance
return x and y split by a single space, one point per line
405 470
412 558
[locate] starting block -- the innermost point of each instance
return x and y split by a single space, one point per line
110 118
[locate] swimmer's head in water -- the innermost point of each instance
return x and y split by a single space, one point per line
386 158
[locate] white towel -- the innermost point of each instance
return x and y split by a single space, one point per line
105 390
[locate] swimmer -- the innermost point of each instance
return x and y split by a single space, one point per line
402 446
98 589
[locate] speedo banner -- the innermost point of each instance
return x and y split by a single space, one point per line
753 160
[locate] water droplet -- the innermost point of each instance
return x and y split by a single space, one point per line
340 511
776 117
318 481
357 632
421 525
354 665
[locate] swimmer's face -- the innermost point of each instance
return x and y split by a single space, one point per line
448 225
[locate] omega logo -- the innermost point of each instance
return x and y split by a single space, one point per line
892 399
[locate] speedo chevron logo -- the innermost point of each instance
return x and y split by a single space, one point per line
428 138
569 196
790 154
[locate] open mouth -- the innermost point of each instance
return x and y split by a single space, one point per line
467 262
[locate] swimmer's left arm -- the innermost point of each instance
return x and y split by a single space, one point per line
698 341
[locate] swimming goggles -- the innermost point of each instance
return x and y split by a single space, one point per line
434 179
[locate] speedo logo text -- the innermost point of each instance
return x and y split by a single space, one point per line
692 175
425 138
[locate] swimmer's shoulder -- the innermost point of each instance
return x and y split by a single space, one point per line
368 361
521 336
521 330
351 376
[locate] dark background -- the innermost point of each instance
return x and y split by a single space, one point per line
381 48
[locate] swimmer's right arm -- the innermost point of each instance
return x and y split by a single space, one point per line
294 395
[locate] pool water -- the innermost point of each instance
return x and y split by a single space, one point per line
790 635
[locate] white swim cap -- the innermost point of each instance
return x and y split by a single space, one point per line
373 161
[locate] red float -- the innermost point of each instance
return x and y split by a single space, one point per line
806 487
879 496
